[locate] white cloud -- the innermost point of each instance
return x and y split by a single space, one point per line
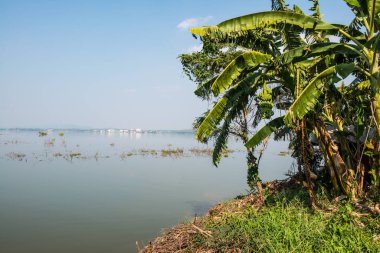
191 22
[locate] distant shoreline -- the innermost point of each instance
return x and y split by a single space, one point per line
98 129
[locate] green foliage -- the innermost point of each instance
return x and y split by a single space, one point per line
265 104
204 66
299 61
212 119
286 224
265 132
234 69
253 171
318 49
215 116
263 20
309 96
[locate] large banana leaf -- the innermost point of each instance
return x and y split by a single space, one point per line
217 113
373 8
369 7
307 51
221 142
355 3
309 63
222 139
212 119
264 20
309 96
235 67
265 132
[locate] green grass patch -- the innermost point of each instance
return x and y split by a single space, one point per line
287 224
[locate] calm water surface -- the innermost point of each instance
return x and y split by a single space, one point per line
105 200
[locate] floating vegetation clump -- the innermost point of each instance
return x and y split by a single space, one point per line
208 152
53 151
70 156
42 134
148 152
50 143
16 156
202 151
125 155
172 152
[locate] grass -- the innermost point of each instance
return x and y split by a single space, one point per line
284 222
287 224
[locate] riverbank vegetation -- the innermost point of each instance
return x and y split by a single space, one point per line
280 222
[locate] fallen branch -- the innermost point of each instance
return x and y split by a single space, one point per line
203 232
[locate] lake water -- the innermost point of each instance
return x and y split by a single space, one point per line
98 191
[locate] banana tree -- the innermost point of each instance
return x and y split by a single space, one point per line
365 45
231 114
360 47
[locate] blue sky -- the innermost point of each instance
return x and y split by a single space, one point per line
109 63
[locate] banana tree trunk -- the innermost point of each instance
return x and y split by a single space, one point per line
305 154
336 162
253 179
329 166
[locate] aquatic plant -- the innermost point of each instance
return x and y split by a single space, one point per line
148 152
16 156
70 156
50 142
172 152
42 134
